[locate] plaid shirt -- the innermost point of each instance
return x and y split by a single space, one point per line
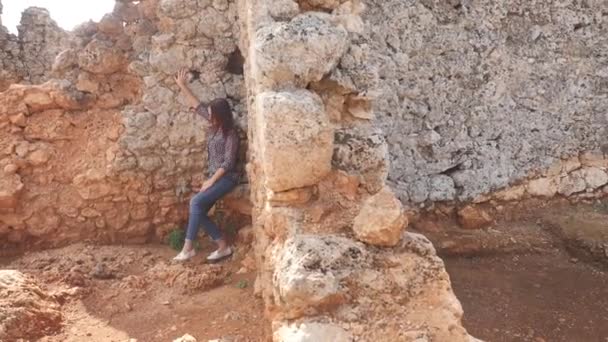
222 149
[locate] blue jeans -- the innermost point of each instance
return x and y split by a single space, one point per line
201 203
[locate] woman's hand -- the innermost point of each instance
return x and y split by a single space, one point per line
181 78
206 185
182 82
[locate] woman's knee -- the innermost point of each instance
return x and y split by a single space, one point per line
199 201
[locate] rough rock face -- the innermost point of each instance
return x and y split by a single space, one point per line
309 38
481 93
299 139
399 294
380 220
26 312
108 150
29 56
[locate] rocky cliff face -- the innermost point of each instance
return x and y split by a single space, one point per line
478 95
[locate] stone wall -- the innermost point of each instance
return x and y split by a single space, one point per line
476 96
108 151
29 56
333 261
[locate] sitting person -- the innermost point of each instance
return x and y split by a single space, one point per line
222 150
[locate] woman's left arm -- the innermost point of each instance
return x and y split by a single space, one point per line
216 176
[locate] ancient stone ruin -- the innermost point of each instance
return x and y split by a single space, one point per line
356 118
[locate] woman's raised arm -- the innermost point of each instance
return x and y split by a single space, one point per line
182 83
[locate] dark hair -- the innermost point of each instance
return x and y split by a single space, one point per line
221 115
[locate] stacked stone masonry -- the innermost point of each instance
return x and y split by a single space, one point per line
107 149
334 262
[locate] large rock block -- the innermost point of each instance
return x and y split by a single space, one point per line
381 220
10 188
408 280
26 311
309 270
362 151
177 8
99 57
297 141
310 332
298 52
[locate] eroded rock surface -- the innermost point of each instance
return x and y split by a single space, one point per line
485 92
29 56
398 294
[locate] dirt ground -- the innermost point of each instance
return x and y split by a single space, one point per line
146 297
536 298
539 276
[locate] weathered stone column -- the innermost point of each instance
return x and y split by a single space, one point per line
333 261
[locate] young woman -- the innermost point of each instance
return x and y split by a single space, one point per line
222 149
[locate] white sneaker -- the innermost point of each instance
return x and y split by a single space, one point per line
217 255
183 256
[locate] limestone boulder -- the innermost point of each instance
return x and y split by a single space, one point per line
543 187
26 311
572 183
185 338
284 9
511 194
10 188
362 151
309 270
381 220
177 8
110 24
65 60
168 61
39 157
92 185
442 188
310 332
471 217
100 57
238 200
594 177
291 197
126 11
321 4
298 52
246 235
215 25
411 279
297 145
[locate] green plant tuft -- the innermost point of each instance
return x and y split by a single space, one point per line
242 284
176 239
